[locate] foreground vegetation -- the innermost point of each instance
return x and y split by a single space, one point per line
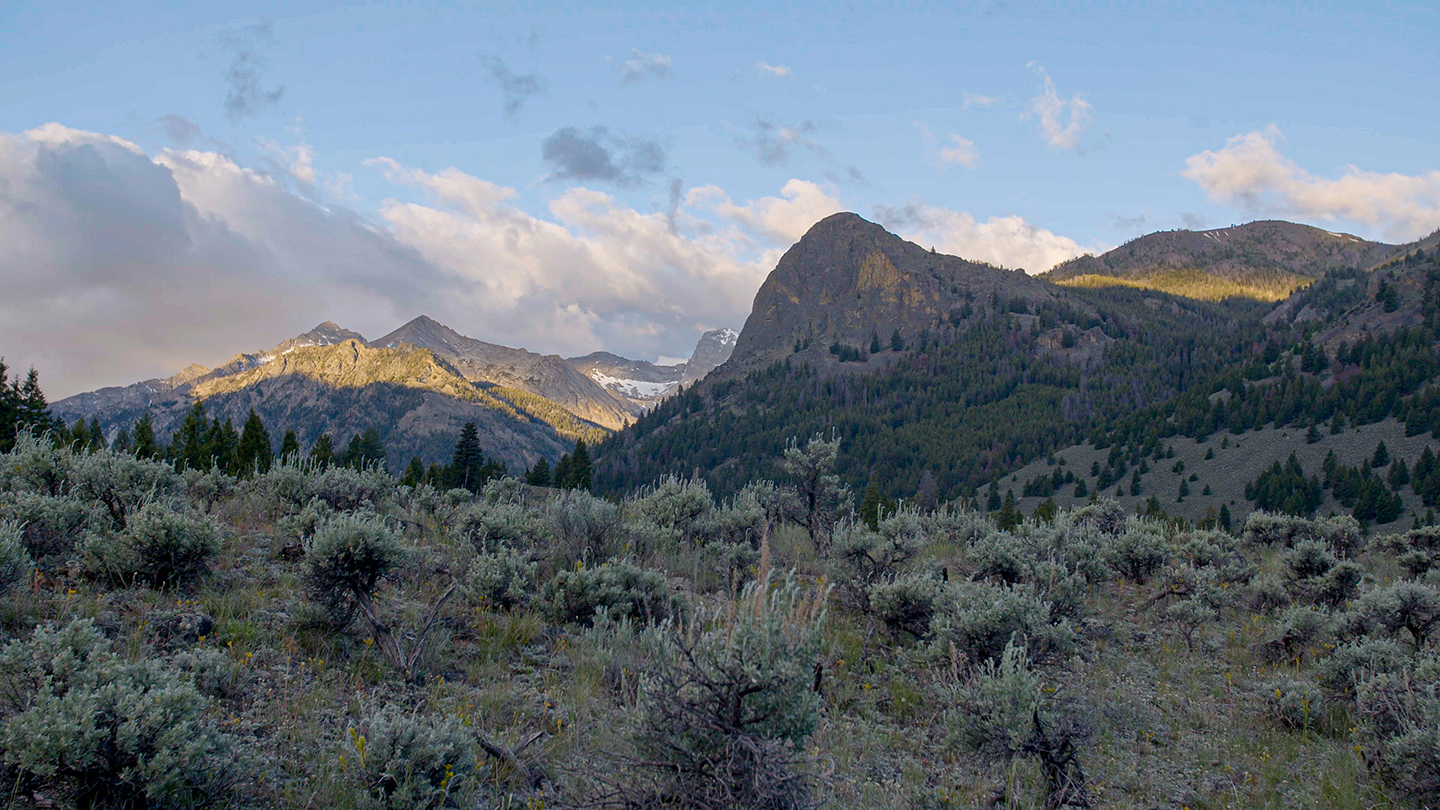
329 637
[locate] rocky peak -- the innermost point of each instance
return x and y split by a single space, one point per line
713 349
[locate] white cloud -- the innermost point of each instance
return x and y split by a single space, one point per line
782 220
1062 120
642 64
1007 241
977 100
769 71
962 150
1250 172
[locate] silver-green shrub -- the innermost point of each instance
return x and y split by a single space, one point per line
994 709
51 526
1138 549
905 603
1293 703
401 760
162 545
1410 606
1400 712
501 577
1341 671
16 566
91 729
619 588
980 619
345 560
583 527
122 483
348 490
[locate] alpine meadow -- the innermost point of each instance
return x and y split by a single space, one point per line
899 425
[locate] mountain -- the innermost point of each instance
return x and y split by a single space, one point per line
849 283
330 380
990 371
1265 261
644 383
548 376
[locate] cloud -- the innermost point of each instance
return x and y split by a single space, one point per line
977 100
624 160
643 64
119 266
1005 241
1137 224
773 143
1250 172
768 71
1062 121
246 98
515 88
1194 222
962 151
180 130
781 220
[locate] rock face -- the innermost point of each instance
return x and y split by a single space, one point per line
645 384
548 376
850 282
1266 260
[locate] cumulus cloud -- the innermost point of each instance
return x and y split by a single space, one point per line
773 143
172 259
1062 120
780 220
515 88
1250 172
961 151
246 97
1005 241
766 70
642 64
596 154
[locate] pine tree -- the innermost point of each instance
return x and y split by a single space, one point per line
580 471
992 501
365 451
562 473
414 474
9 410
189 440
34 411
253 454
79 436
874 343
322 452
289 447
1313 434
870 506
1381 457
897 343
144 438
538 475
123 443
1225 520
465 465
1009 516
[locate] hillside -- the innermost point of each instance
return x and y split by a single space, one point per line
644 383
1013 380
1265 261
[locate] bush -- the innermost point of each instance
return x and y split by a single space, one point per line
502 578
1342 670
905 604
35 464
16 567
1340 534
348 490
160 547
620 589
89 729
1400 711
864 557
728 703
345 561
1410 606
490 525
122 483
584 527
995 707
675 503
406 761
1300 630
51 526
1138 550
980 619
1294 704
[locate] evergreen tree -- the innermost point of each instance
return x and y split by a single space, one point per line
9 410
466 464
562 472
874 343
897 343
1009 517
97 435
1312 435
992 501
581 474
189 440
322 452
34 411
1399 474
144 438
538 475
365 451
870 506
123 443
221 441
1225 519
1080 489
79 437
414 474
1381 457
253 454
289 447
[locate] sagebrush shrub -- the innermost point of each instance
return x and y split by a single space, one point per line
1341 671
501 577
16 566
122 483
619 588
403 760
35 464
675 503
51 526
1410 606
980 619
1138 550
905 603
1293 703
345 560
994 709
348 490
490 525
91 729
162 545
584 527
1400 712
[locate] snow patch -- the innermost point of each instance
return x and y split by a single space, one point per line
637 389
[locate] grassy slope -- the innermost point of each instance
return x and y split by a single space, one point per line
1198 284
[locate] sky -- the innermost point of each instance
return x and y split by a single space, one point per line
180 182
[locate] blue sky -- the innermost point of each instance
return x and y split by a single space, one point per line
571 178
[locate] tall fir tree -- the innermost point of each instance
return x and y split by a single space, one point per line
9 409
538 475
144 438
289 447
253 454
414 474
562 475
188 443
123 443
322 452
581 474
34 410
466 463
870 506
97 435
